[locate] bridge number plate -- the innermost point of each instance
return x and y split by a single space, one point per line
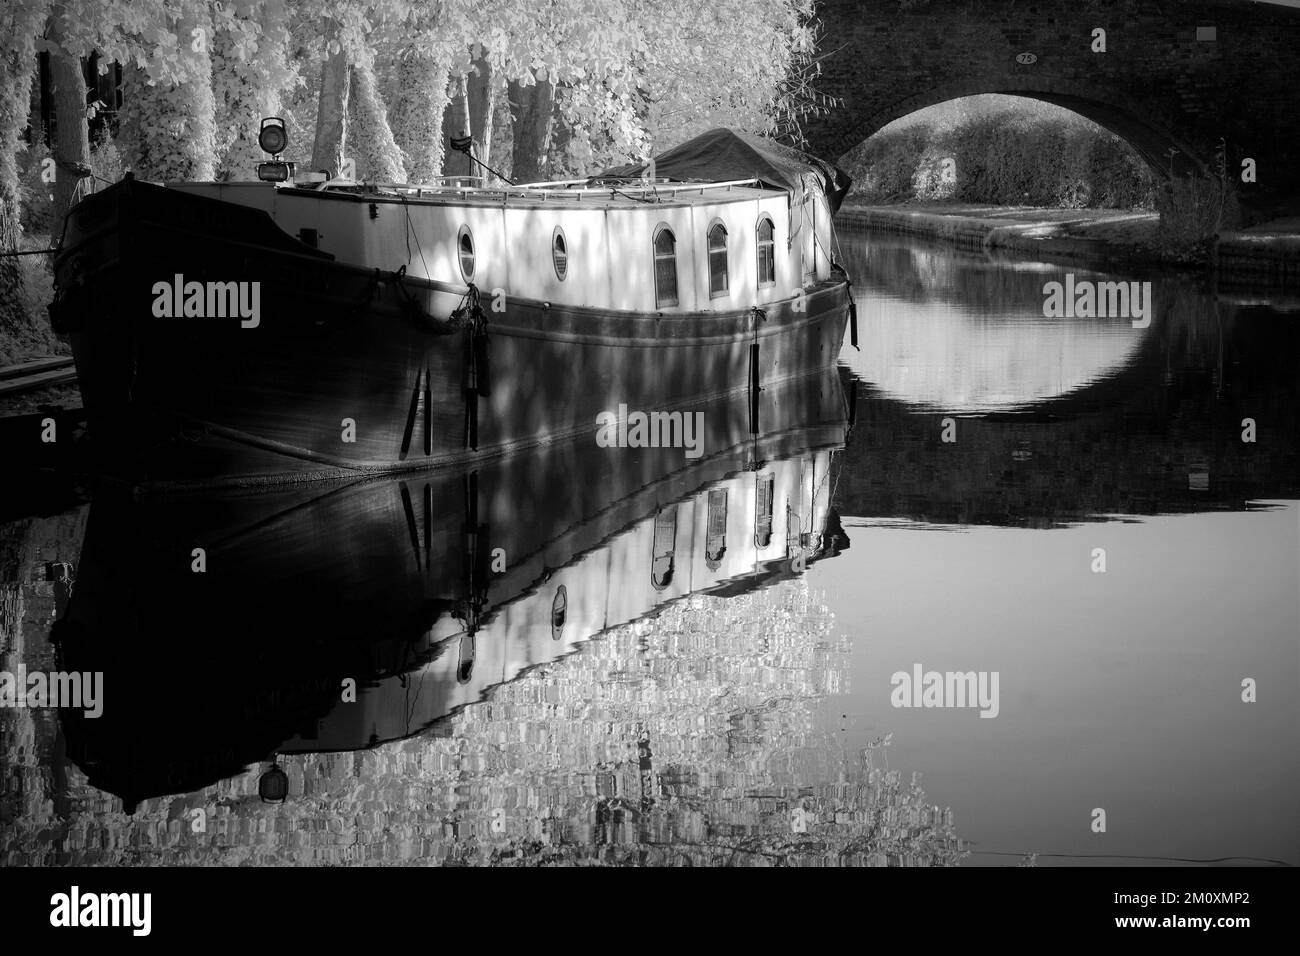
1026 58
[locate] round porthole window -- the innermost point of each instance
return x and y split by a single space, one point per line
465 245
560 253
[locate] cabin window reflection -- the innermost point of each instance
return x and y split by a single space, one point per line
665 246
465 665
465 245
793 533
766 252
559 612
763 510
560 253
715 540
717 260
664 556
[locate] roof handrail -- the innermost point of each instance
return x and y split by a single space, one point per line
561 189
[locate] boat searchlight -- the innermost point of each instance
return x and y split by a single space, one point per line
273 139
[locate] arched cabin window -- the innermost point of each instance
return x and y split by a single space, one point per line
766 252
715 540
717 260
465 249
765 484
664 557
665 248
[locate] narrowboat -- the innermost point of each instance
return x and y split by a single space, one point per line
314 326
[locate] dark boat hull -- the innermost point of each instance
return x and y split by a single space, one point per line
349 370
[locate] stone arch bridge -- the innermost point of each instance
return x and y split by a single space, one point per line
1198 77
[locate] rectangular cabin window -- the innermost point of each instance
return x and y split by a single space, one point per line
665 246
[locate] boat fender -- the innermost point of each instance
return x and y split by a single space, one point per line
471 317
483 563
853 311
755 388
482 370
755 385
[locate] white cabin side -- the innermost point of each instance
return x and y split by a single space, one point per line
597 251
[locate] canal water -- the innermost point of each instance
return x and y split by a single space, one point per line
1089 532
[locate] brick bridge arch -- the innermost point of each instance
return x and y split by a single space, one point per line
1162 82
1108 108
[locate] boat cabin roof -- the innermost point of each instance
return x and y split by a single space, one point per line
581 193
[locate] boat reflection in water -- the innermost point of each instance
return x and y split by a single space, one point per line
447 596
455 581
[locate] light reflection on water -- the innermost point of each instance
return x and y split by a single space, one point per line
743 717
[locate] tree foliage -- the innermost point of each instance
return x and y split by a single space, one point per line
251 72
576 84
20 23
622 77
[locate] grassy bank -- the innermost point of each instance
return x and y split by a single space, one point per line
1265 257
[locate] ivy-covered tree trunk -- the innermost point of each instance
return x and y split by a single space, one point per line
503 136
417 114
470 113
480 98
533 110
332 112
20 21
371 140
71 131
456 123
559 160
250 67
169 127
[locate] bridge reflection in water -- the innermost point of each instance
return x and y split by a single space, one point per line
450 600
1059 420
968 336
1081 439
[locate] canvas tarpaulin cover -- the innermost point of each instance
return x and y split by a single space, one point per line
722 154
